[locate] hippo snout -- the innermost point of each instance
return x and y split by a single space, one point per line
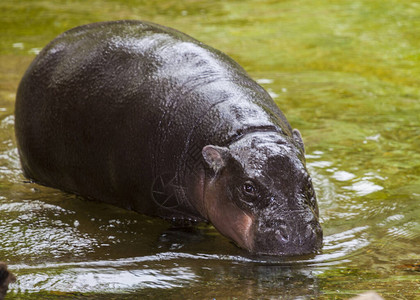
290 235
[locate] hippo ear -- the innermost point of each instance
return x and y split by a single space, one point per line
215 156
298 139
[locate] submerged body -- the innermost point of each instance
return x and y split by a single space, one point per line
147 118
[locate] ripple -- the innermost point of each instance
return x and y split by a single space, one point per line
343 176
36 229
406 230
7 121
364 187
18 45
45 241
34 51
103 279
265 81
166 270
340 247
10 169
132 261
30 206
393 218
319 164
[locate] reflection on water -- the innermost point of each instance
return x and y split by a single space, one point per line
345 74
28 231
103 279
161 271
41 234
98 243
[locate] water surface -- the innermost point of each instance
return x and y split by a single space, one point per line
346 73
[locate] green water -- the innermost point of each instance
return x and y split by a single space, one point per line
346 73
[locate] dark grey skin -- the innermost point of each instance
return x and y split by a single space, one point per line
6 278
147 118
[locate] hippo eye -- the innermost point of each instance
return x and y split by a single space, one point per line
249 189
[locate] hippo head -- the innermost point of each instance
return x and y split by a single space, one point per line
258 192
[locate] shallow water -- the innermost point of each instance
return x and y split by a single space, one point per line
346 73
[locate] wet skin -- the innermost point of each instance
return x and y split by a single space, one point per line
5 279
147 118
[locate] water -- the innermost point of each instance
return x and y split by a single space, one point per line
346 73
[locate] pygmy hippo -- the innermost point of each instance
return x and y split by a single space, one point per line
147 118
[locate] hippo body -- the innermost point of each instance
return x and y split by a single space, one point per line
147 118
